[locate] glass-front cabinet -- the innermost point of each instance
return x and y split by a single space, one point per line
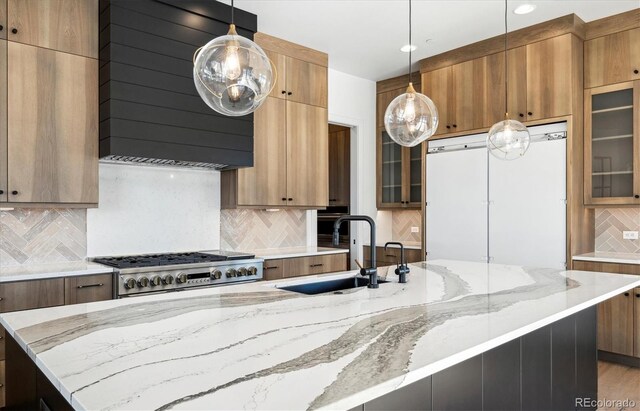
612 144
399 176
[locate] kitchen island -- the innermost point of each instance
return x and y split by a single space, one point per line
457 335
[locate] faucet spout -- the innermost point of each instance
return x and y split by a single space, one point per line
372 271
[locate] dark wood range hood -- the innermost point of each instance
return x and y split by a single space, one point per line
150 111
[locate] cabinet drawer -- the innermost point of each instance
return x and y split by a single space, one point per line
88 288
295 267
273 269
25 295
2 340
2 384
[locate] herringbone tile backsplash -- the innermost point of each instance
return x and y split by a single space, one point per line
35 236
247 230
403 220
610 223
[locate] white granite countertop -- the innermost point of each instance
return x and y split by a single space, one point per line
56 270
292 252
254 346
604 257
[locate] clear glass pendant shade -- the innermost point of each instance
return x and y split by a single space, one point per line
411 118
232 74
508 140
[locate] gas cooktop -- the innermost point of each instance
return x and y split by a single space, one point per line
156 260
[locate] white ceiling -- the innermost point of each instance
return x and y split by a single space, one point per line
363 37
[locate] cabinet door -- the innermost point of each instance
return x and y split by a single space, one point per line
320 264
636 319
265 184
438 86
306 82
26 295
3 120
307 155
339 164
612 144
615 324
279 63
273 269
517 83
412 167
389 171
87 289
612 59
478 92
3 19
549 78
64 25
382 102
52 126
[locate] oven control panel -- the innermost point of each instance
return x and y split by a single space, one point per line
174 278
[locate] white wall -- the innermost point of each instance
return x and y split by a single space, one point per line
352 102
145 209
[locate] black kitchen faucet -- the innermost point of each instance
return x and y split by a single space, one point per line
372 271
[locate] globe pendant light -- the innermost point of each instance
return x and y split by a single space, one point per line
411 118
232 74
507 139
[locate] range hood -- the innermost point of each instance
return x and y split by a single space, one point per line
150 111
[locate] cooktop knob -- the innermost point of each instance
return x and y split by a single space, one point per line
129 283
143 282
231 272
253 271
155 281
216 274
242 271
167 279
181 278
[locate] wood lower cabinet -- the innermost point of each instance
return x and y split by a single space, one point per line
3 121
2 382
52 126
391 256
610 59
301 266
26 295
86 289
618 317
70 26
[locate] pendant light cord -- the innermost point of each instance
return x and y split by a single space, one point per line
410 46
506 63
232 20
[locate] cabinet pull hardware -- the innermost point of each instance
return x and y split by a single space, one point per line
637 295
636 196
91 285
271 268
1 27
448 126
530 113
14 192
626 294
455 125
1 385
1 191
634 71
14 30
316 265
284 92
1 298
290 199
289 93
521 114
284 198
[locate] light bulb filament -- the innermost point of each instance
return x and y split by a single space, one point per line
410 109
232 68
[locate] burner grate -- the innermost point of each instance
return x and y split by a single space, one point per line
155 260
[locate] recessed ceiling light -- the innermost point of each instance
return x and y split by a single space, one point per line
408 47
525 8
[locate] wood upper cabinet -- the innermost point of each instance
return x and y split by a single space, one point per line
306 82
266 182
3 19
612 59
280 64
612 144
517 83
307 155
549 77
70 26
438 85
3 121
52 126
339 169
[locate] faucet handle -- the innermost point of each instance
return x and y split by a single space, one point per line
358 264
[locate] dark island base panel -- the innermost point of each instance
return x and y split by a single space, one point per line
547 369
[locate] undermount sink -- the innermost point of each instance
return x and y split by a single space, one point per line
328 286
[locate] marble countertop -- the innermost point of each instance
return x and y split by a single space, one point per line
292 252
254 346
55 270
604 257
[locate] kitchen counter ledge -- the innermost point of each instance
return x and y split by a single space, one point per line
254 346
55 270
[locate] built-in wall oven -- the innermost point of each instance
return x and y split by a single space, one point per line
326 218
